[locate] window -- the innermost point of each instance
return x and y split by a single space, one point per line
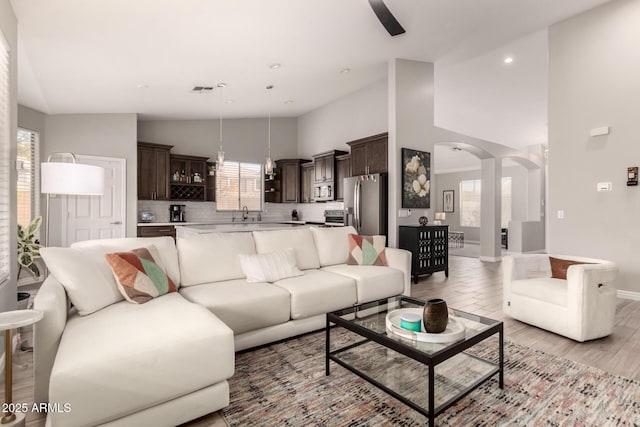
5 141
470 195
239 184
27 162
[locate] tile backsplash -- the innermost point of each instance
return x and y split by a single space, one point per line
206 211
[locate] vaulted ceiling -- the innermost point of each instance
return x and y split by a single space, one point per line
144 56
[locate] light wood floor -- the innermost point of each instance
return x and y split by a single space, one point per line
473 286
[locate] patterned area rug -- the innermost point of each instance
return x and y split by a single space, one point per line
285 385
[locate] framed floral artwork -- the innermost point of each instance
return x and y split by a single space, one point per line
416 178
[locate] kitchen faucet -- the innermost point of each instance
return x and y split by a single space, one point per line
245 213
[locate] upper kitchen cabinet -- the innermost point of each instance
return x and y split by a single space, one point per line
188 177
369 155
153 171
308 178
343 170
325 165
290 179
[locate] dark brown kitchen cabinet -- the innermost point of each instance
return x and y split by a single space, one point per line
369 155
308 178
325 165
343 170
210 195
188 177
153 171
290 179
157 231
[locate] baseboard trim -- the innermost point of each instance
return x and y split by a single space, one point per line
490 259
629 295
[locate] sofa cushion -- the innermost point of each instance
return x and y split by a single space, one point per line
269 267
546 289
372 282
85 276
366 250
129 357
241 305
318 292
139 275
332 244
300 239
166 248
213 257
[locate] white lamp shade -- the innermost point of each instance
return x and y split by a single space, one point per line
71 178
440 216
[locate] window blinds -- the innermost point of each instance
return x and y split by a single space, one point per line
5 142
237 185
28 200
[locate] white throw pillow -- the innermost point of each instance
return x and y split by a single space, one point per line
85 276
270 267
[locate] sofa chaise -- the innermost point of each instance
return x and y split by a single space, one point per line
167 361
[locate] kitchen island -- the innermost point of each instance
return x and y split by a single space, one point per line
190 230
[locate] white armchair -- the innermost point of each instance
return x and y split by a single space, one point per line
582 307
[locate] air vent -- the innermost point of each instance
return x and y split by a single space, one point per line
202 89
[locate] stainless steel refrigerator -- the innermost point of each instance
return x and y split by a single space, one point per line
365 203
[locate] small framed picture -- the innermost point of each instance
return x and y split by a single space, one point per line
632 175
447 201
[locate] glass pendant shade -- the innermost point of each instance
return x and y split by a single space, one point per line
220 161
269 166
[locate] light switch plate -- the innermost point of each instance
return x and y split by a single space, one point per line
604 186
560 214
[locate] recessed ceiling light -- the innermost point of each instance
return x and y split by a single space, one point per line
275 66
289 101
221 85
508 60
345 70
456 149
229 101
143 86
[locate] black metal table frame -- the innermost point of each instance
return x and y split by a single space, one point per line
430 360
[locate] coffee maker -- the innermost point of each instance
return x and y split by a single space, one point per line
176 213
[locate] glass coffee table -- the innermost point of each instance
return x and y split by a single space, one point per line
429 377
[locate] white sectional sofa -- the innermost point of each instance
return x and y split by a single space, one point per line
167 361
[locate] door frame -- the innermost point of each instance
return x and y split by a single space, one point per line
123 197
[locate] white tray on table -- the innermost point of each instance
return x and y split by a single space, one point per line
455 328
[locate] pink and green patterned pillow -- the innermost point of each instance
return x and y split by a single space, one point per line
140 277
366 250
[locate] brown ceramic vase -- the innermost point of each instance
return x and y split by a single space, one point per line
435 316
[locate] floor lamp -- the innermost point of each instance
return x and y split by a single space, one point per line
70 179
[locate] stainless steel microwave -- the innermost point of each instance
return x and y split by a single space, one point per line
323 192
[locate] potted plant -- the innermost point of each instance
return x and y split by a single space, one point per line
212 170
29 247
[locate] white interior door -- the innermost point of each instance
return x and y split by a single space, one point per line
97 217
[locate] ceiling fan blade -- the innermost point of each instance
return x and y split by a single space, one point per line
386 17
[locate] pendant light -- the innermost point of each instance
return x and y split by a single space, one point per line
269 165
220 161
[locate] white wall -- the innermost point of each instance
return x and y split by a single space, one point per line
109 135
593 81
9 28
411 125
357 115
243 139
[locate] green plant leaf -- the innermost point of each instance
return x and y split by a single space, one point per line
35 224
